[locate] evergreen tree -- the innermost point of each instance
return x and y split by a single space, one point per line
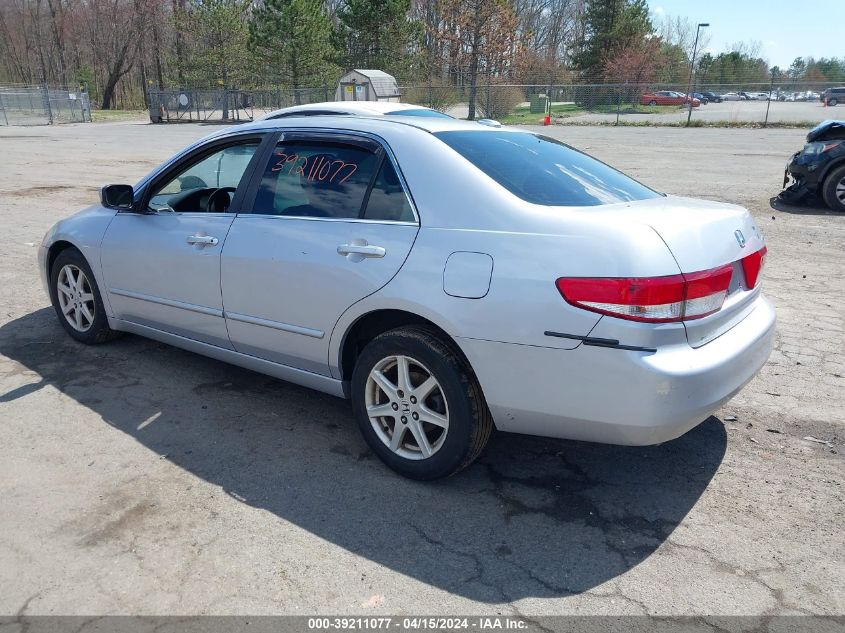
611 26
797 69
377 34
217 44
292 38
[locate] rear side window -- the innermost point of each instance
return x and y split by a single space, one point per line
544 171
317 180
387 199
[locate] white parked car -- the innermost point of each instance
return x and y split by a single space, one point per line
732 96
355 108
447 277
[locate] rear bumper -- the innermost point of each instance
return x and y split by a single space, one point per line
615 396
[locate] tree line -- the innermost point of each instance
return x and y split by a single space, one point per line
118 49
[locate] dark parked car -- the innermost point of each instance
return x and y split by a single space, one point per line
819 168
712 96
833 96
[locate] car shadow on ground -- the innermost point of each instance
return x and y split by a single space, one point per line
812 205
534 517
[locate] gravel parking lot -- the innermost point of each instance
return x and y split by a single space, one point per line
138 478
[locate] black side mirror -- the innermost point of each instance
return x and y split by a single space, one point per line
117 197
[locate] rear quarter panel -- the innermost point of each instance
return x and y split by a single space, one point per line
523 301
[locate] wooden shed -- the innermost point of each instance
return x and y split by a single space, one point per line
367 85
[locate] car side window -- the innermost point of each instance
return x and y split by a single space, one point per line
316 179
207 185
388 200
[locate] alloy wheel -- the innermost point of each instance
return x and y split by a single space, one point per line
76 297
407 407
840 191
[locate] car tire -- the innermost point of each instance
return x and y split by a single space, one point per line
832 101
384 404
833 189
76 298
652 102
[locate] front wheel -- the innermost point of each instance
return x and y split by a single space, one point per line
652 102
832 101
76 299
833 189
418 404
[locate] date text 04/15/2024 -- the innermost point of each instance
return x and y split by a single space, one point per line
417 623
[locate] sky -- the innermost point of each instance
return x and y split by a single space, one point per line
785 29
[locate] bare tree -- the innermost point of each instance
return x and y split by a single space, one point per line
680 31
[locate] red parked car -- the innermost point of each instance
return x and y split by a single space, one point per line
667 97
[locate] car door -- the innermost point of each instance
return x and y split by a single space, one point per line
161 261
330 222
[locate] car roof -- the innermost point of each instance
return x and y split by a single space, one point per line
372 108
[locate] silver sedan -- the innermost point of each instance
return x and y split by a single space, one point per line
446 277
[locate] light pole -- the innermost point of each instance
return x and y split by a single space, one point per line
775 72
691 65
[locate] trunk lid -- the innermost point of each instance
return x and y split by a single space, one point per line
702 235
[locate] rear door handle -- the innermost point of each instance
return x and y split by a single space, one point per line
202 239
363 251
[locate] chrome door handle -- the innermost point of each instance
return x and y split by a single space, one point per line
202 239
364 251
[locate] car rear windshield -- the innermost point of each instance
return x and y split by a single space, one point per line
544 171
419 112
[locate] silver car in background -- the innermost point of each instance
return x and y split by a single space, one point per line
355 108
445 276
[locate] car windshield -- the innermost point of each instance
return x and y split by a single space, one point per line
419 112
544 171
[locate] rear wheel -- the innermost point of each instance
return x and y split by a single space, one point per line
76 299
833 190
652 102
418 404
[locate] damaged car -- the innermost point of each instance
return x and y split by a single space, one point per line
819 168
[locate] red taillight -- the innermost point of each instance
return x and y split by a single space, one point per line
650 299
752 265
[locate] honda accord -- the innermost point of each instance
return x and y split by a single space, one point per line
448 278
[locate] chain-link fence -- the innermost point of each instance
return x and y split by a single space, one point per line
618 104
41 105
185 106
636 103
